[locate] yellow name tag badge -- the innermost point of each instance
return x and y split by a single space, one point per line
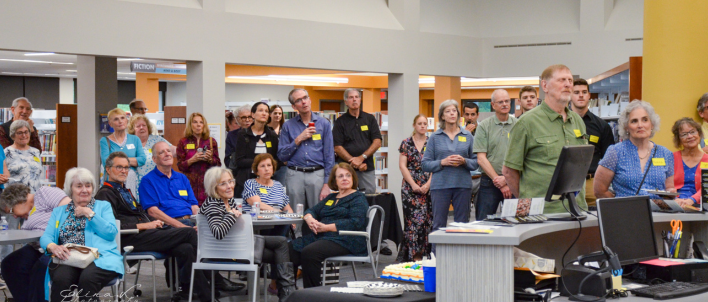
316 137
705 141
34 209
577 133
189 147
183 193
269 145
150 150
462 138
704 165
658 161
365 128
263 190
594 139
134 204
329 202
36 159
57 224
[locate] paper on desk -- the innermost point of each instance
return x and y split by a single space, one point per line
661 263
347 290
522 207
473 225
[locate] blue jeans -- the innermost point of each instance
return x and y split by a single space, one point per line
442 198
488 198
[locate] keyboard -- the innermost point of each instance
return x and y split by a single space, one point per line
670 290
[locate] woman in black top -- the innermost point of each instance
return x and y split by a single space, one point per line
254 140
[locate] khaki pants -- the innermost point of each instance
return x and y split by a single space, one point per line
590 193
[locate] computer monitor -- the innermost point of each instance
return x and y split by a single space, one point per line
627 228
569 177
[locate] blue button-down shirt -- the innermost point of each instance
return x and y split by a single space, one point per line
172 195
311 152
125 193
441 146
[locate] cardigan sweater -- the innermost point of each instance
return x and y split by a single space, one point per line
245 153
678 174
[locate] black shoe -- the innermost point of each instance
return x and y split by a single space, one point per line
285 280
229 286
386 251
183 295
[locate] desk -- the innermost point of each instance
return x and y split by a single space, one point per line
20 236
481 265
392 229
323 294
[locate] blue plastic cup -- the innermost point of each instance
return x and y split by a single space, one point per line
429 279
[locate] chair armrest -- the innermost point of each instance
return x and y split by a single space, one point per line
354 233
129 231
128 249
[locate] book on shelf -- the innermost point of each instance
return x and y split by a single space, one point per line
381 183
380 163
384 139
5 115
49 142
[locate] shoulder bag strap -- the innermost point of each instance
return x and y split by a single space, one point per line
651 163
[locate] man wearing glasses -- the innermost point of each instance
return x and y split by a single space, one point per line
21 110
306 145
599 134
137 106
490 144
244 120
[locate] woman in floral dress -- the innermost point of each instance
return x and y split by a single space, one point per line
415 194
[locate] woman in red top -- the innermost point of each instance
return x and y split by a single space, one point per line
196 153
688 161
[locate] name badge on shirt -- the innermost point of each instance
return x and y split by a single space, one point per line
134 204
150 150
329 202
316 137
57 224
577 133
36 159
365 128
263 190
183 193
269 145
705 141
658 161
704 165
130 146
462 138
594 139
34 209
189 147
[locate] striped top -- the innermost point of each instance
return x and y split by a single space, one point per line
45 200
220 220
273 196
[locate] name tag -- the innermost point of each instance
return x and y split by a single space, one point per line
263 190
329 202
577 133
183 193
150 150
130 146
268 145
189 147
34 209
365 128
36 159
594 139
705 141
135 205
462 138
704 165
57 224
316 137
658 161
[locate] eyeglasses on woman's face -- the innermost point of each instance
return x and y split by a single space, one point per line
227 183
687 134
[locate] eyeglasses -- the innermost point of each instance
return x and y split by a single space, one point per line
22 132
121 168
690 133
307 97
504 102
141 109
227 183
245 118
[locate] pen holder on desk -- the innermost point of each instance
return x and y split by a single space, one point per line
429 278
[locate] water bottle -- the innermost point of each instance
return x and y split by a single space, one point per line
4 226
300 209
255 210
239 207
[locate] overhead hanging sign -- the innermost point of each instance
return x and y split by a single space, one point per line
167 68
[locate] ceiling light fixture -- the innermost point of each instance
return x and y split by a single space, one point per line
36 61
498 79
71 70
39 54
279 78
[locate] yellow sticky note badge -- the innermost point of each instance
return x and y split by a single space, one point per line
577 133
269 145
704 165
189 147
316 137
34 209
329 202
507 135
365 128
36 159
658 161
462 138
134 204
150 150
263 190
594 139
57 224
705 141
183 193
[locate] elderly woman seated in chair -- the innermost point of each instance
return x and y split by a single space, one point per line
220 209
340 211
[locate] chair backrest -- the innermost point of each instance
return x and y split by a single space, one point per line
375 230
237 244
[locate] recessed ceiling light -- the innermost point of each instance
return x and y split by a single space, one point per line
39 54
279 78
129 59
36 61
71 70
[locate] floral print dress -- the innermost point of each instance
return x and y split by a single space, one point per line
417 208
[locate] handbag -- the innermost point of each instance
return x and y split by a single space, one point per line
79 256
258 246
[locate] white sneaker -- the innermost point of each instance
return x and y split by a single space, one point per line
133 270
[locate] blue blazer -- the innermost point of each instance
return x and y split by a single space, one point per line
100 233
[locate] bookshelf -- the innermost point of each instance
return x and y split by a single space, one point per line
381 155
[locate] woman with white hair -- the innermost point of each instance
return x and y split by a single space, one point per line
449 157
635 165
23 161
88 222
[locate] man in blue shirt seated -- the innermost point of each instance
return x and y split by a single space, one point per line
168 197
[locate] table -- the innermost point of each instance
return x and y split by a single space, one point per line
20 236
481 265
392 229
323 294
263 224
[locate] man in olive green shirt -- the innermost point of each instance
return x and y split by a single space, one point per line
538 137
490 144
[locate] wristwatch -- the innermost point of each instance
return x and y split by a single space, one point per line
364 156
92 214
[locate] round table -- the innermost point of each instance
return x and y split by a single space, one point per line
20 236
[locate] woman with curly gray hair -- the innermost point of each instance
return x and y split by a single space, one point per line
635 165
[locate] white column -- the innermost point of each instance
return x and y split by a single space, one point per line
403 95
206 93
66 90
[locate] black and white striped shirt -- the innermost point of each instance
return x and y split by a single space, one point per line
220 220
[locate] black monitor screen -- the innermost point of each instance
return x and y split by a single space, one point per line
627 228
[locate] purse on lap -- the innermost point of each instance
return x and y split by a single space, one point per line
79 256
